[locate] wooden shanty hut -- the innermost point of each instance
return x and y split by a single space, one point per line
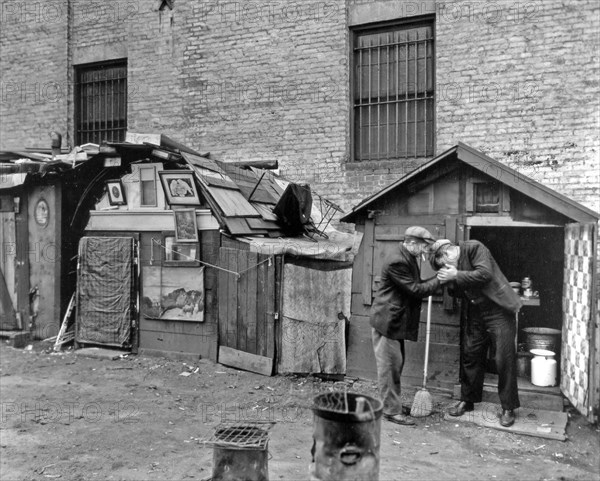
211 269
532 231
37 202
283 286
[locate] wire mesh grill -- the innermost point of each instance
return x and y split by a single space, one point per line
240 436
336 401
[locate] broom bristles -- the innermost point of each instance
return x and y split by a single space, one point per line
422 404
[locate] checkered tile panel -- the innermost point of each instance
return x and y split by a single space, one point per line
577 301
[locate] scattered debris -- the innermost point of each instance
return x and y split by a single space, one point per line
41 470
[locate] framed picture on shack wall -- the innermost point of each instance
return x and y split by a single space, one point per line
173 293
179 187
186 228
116 193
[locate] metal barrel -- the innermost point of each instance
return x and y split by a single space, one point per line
346 437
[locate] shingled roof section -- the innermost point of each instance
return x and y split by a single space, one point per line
241 198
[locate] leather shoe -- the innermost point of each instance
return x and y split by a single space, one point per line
461 408
508 418
400 419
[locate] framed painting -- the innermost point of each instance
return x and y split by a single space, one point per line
173 293
186 228
179 187
116 192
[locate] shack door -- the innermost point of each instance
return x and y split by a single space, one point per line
579 368
247 310
106 291
381 238
8 294
14 264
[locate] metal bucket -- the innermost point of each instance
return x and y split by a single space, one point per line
542 338
346 437
248 460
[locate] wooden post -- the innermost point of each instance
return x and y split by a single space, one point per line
368 252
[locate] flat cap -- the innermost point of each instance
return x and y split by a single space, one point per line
438 244
419 233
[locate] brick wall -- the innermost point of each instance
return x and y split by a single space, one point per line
270 80
33 73
519 81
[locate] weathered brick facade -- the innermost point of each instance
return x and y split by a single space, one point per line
270 80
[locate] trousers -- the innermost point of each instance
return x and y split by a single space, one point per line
484 323
389 357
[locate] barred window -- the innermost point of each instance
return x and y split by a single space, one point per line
393 86
101 102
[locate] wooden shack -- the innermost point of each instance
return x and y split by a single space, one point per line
229 290
37 202
531 230
162 250
283 300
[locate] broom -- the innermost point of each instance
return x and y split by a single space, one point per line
423 404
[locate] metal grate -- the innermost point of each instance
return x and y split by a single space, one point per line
240 436
336 401
101 103
394 92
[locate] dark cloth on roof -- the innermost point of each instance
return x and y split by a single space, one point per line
293 208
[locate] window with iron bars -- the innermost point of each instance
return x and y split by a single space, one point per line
393 88
101 102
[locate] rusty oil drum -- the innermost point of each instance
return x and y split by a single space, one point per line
345 440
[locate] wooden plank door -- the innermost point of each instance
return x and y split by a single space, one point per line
22 281
14 263
579 375
8 294
247 310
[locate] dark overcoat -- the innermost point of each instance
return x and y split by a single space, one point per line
479 275
396 309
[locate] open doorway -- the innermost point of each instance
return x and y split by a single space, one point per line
537 253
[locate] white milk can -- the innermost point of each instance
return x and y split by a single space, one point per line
543 368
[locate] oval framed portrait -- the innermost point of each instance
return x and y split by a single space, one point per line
42 213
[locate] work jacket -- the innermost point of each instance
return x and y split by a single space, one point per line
479 277
396 308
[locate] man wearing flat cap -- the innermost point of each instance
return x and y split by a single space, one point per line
487 313
395 316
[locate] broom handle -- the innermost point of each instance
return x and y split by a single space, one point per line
427 334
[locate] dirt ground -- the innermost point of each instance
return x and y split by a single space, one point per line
65 416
